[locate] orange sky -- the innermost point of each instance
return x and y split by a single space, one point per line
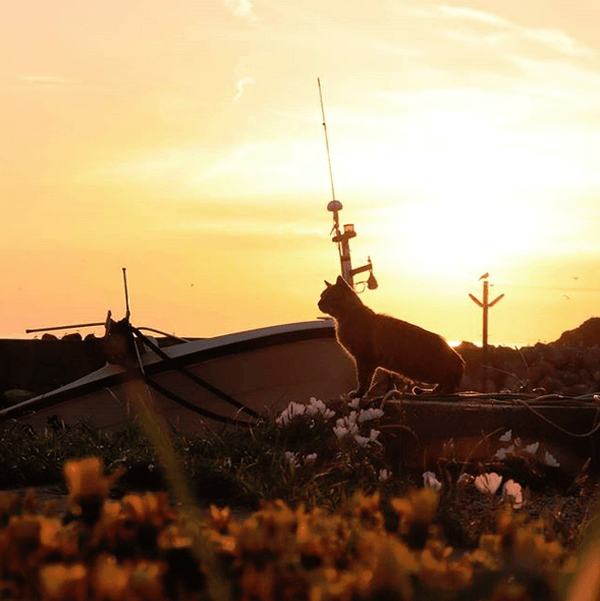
184 141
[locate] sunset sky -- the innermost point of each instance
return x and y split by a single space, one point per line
184 141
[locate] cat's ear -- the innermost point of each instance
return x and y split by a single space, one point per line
340 280
328 284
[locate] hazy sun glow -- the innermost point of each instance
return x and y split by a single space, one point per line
185 142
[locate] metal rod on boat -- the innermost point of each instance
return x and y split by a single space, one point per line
76 325
127 312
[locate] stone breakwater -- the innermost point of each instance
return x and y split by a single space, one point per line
567 370
570 365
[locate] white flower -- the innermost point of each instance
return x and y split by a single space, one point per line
362 441
506 436
367 414
316 407
384 475
340 431
503 452
488 483
346 425
354 403
532 448
292 458
430 481
289 413
365 441
463 478
309 459
513 493
551 460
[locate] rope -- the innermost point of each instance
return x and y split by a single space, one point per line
187 405
194 378
555 425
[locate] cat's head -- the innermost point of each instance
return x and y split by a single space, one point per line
336 297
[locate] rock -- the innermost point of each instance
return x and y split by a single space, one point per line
587 335
569 378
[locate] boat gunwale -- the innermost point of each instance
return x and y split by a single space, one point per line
180 355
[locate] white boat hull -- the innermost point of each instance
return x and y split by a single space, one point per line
263 369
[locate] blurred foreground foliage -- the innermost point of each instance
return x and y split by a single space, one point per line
144 547
320 512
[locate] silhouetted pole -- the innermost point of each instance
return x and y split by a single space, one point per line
485 305
342 239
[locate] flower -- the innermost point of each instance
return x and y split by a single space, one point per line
60 581
346 426
367 414
354 403
318 407
430 481
292 411
292 459
488 483
109 580
365 441
85 478
513 493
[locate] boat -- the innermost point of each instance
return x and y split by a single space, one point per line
232 379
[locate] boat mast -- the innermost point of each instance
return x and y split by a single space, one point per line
342 239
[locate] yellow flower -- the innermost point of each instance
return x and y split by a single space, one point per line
150 508
438 570
85 477
174 536
420 506
109 580
146 580
258 585
50 529
23 534
60 582
220 518
367 510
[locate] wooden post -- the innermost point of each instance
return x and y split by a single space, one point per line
485 305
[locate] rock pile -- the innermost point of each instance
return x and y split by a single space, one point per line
569 365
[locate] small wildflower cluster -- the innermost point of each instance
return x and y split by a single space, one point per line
516 448
343 444
487 483
295 410
348 426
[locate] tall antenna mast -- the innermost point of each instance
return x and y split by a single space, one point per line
326 140
343 239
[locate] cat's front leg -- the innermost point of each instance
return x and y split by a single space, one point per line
364 373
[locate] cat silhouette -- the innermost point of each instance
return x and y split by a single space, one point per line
374 340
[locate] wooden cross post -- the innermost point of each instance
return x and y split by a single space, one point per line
485 305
